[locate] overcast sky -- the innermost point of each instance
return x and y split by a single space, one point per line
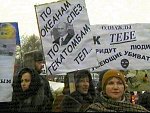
99 12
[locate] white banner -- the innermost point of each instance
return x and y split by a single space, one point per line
8 33
75 51
124 47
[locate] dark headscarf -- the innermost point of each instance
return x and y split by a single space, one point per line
34 85
84 73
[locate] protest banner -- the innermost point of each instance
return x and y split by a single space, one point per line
123 47
8 39
75 51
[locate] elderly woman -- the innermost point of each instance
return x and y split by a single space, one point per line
26 96
112 96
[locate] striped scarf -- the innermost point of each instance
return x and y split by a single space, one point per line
107 105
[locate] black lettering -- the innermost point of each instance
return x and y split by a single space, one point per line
96 39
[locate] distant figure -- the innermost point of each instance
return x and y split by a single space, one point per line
64 34
132 97
145 78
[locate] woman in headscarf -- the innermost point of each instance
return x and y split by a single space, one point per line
83 95
26 96
112 97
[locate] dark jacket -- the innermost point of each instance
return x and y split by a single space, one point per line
144 100
46 88
34 103
5 106
70 104
31 100
76 102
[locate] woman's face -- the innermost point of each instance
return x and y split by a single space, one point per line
83 85
25 81
115 89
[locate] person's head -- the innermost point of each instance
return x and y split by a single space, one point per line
39 60
146 75
113 84
83 82
28 80
25 81
99 85
62 28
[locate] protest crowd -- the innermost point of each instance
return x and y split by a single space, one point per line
32 92
60 77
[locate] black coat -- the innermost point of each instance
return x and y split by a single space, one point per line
76 102
34 103
144 100
47 91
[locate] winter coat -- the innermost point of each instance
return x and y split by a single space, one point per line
76 102
103 104
46 88
35 103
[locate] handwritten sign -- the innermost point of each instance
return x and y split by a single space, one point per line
8 40
66 52
122 47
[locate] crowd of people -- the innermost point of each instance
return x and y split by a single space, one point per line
32 93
